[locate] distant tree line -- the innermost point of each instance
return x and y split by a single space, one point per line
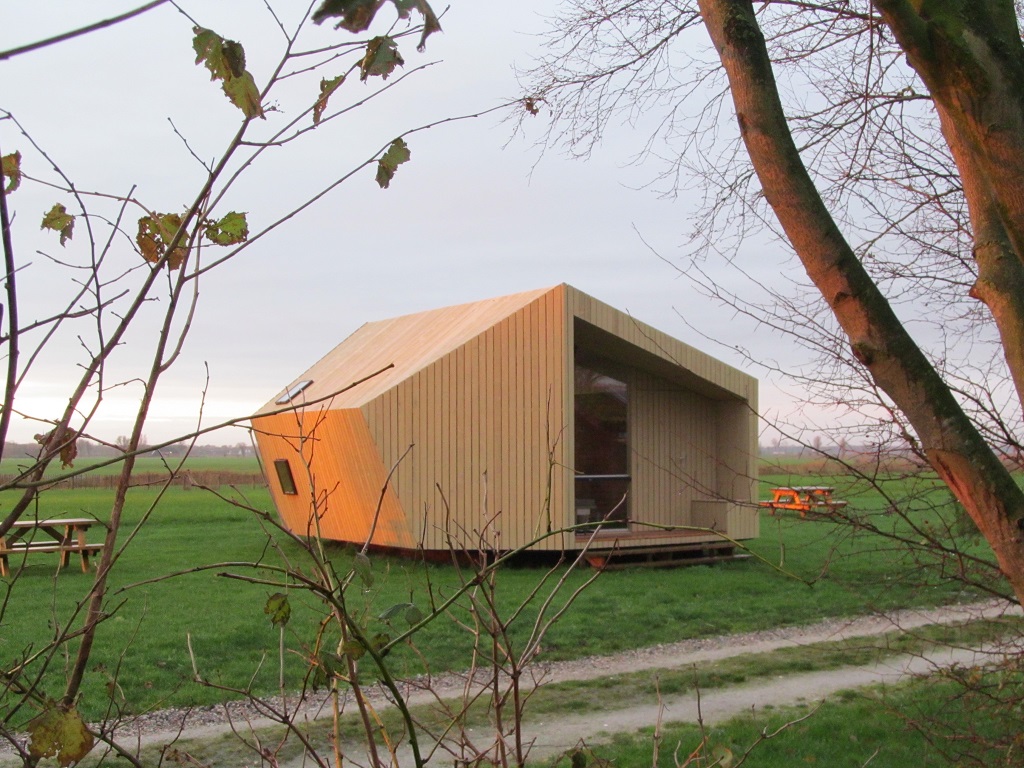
92 449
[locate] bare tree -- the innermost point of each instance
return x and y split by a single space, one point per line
130 272
882 143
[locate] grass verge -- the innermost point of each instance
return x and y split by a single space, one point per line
848 728
872 726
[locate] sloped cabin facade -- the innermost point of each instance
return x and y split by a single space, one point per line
493 424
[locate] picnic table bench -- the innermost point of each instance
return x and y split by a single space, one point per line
63 535
803 499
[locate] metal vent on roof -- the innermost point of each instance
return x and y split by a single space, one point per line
293 392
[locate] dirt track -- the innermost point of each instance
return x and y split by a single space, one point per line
721 704
553 735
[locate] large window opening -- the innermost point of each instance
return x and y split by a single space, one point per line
602 447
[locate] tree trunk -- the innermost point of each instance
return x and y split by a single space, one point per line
971 59
969 55
879 340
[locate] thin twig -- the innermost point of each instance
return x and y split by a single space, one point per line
12 52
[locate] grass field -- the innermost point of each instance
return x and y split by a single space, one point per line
142 659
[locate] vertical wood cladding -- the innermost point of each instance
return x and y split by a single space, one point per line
480 427
674 441
338 476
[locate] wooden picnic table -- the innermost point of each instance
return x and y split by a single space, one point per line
803 499
63 535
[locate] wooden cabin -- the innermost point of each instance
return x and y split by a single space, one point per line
535 417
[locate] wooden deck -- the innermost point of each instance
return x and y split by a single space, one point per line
653 549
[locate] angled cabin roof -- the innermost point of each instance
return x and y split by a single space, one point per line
620 336
410 343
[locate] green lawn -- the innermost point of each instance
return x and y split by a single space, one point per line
827 572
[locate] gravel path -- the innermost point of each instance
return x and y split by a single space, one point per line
552 736
719 705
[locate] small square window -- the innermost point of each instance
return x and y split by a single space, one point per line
284 477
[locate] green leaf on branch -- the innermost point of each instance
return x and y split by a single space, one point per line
325 667
221 58
397 154
430 20
413 615
353 649
10 168
60 733
379 641
364 570
407 611
394 611
245 95
155 234
357 15
226 61
278 609
332 663
381 58
319 678
59 220
230 229
327 87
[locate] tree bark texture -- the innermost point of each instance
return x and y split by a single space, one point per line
969 55
879 340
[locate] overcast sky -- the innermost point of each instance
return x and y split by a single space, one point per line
476 213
